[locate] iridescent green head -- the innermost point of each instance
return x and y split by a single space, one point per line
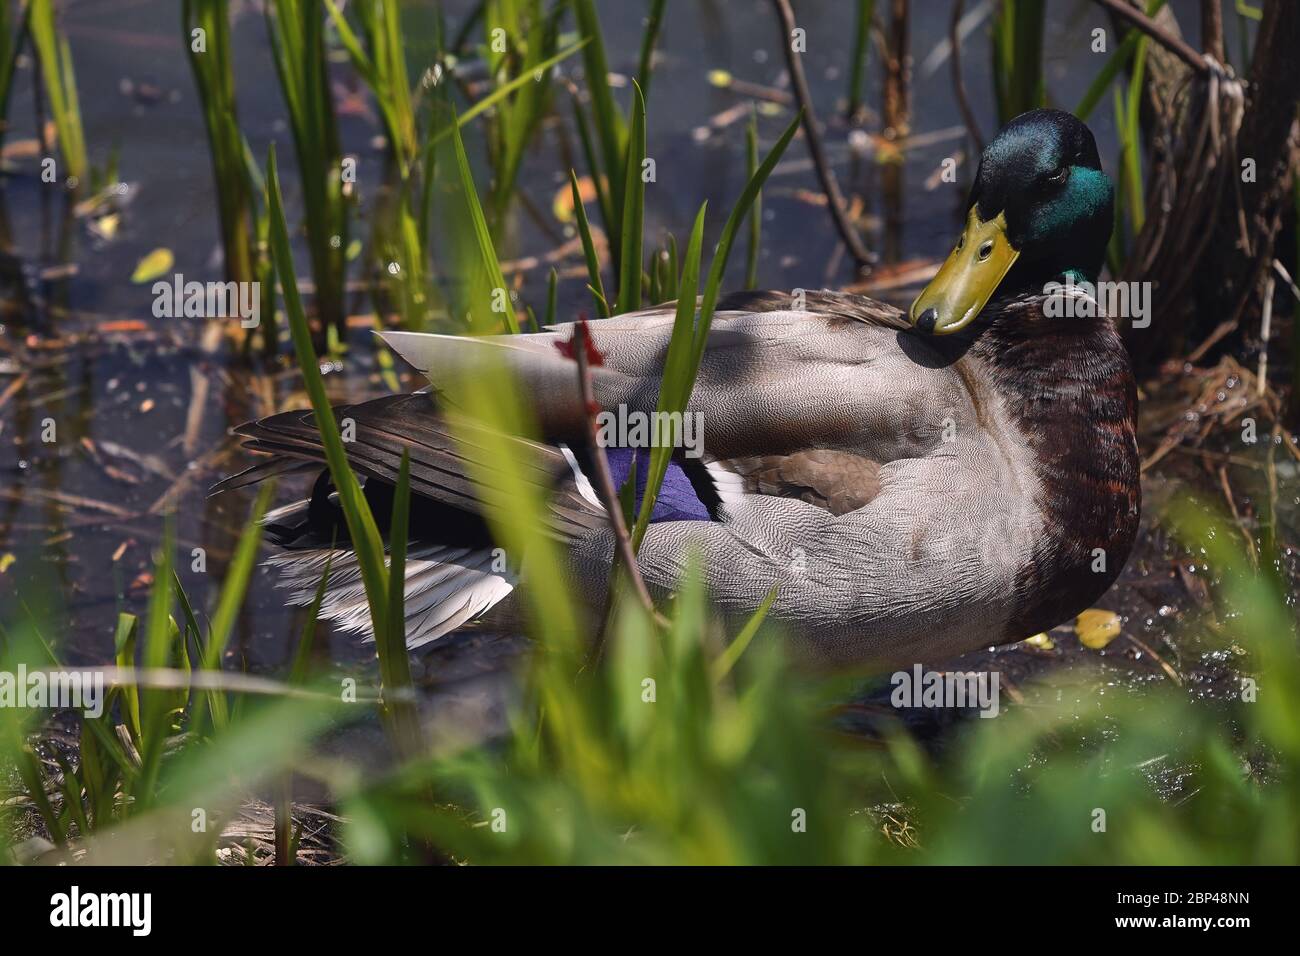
1041 207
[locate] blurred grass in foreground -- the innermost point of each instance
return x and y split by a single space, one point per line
673 750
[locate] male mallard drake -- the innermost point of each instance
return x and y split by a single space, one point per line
916 488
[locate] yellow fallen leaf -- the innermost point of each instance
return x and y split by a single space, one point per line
1097 628
6 561
720 78
155 264
1041 641
562 204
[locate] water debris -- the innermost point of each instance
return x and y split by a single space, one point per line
155 264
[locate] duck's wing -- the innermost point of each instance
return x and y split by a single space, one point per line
791 403
440 464
454 572
796 393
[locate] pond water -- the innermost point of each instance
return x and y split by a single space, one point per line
141 410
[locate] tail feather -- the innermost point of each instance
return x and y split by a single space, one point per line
445 587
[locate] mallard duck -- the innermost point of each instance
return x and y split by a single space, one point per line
916 485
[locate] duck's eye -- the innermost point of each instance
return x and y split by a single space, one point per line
1060 176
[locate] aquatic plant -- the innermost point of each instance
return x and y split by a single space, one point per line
13 31
609 153
60 86
206 35
1018 58
863 13
297 31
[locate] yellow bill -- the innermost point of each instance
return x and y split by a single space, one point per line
967 278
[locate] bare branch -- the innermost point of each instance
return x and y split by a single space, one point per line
1156 32
604 483
835 199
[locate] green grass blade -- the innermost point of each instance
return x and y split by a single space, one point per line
864 11
12 37
60 87
362 530
1114 63
297 32
728 658
552 295
629 283
588 249
395 665
525 79
678 377
229 602
124 644
610 130
71 789
191 621
302 654
690 333
645 64
756 212
718 266
482 257
156 704
598 181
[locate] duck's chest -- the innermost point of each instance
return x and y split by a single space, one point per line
1080 428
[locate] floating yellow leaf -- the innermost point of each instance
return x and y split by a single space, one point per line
562 204
155 264
6 561
1097 628
1041 641
720 78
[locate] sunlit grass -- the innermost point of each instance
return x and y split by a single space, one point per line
153 777
13 31
1018 84
60 87
214 76
240 190
297 31
863 13
363 532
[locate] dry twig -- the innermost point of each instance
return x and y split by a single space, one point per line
852 241
1152 29
604 483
